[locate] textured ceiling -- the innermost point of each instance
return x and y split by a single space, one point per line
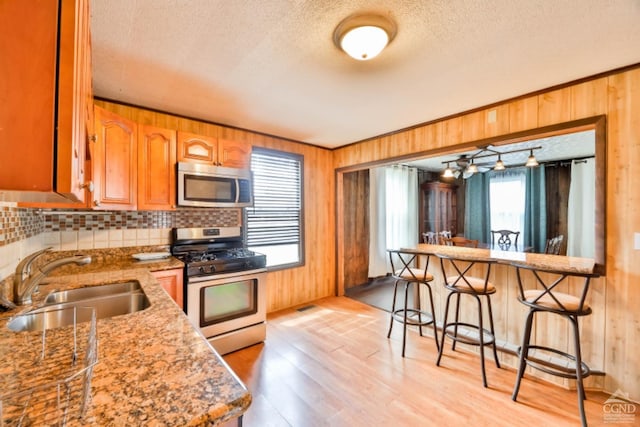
271 66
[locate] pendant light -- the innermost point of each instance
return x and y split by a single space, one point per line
448 172
499 164
531 161
472 168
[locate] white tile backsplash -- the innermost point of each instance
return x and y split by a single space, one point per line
85 239
11 254
68 240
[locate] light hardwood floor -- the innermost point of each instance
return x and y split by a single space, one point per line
332 365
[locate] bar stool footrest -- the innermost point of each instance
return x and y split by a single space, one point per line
412 317
563 366
468 334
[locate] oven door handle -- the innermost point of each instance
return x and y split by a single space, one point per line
235 275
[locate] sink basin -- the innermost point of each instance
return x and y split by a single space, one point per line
59 315
80 294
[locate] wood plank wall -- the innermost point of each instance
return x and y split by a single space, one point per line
314 280
611 336
356 226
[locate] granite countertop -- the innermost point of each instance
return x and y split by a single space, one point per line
154 368
541 261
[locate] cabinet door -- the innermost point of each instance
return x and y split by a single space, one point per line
171 281
194 148
114 161
73 67
234 154
27 88
156 168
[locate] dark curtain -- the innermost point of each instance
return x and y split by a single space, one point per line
558 180
535 214
477 218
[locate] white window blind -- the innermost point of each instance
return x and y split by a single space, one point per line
274 223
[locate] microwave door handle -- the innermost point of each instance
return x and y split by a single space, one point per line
237 181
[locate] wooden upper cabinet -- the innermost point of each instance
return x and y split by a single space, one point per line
156 168
234 154
210 150
194 148
114 161
45 93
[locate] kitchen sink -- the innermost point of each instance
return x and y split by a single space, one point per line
88 292
106 305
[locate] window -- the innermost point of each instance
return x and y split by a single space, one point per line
507 192
275 222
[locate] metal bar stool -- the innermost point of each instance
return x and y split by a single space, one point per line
462 283
546 296
403 271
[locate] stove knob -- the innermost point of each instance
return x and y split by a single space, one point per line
212 269
201 269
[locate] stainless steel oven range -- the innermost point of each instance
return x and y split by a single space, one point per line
224 286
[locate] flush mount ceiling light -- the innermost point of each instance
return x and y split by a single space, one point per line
363 37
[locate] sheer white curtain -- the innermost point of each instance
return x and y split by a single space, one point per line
393 213
581 223
507 192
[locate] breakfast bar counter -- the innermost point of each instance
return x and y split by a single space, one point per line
509 314
153 367
542 261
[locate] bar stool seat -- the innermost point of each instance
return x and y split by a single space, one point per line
463 283
476 283
404 272
550 292
562 302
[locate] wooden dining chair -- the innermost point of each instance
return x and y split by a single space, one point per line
553 245
504 239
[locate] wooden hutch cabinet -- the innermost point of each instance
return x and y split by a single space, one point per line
438 208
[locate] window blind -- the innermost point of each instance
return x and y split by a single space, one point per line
276 215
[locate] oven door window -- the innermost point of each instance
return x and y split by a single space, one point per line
219 303
209 189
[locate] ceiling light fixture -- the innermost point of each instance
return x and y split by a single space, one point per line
363 37
531 161
448 172
472 168
499 164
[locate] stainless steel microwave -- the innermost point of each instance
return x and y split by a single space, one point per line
208 186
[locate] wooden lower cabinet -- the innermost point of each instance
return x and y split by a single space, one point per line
171 281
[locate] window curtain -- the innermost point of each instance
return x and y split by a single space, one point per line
393 208
582 207
535 214
477 209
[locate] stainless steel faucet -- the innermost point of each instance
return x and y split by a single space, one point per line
24 282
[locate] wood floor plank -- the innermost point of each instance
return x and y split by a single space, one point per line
332 365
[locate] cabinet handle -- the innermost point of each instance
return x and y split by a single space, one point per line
96 203
93 138
88 185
